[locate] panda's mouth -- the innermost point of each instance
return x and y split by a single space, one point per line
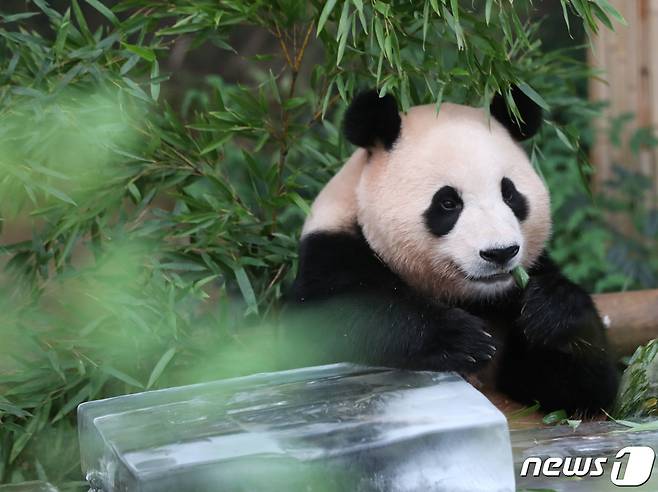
492 279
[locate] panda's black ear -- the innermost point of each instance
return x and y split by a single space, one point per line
530 111
371 119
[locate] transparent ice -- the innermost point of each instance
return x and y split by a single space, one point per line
330 428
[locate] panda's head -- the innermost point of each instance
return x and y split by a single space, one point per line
449 201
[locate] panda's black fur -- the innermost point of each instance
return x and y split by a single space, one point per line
549 341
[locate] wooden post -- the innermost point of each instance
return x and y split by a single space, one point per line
631 318
629 82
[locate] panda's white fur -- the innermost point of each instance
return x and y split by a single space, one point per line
387 191
335 207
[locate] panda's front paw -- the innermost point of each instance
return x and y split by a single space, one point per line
555 312
459 342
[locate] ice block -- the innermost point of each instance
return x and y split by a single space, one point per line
328 428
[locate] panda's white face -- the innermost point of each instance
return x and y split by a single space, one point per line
454 205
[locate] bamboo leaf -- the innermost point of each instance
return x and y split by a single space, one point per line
532 94
58 194
143 52
122 376
454 6
343 31
155 84
80 19
160 366
565 15
362 18
611 10
564 139
23 439
487 11
246 289
324 15
106 12
301 203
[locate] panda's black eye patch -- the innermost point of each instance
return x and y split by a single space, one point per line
514 200
443 212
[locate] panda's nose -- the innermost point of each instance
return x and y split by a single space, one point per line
499 256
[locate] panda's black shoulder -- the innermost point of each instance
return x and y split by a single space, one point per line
337 262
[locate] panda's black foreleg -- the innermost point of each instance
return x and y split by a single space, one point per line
346 305
389 329
557 353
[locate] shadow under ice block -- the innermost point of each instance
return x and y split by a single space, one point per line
329 428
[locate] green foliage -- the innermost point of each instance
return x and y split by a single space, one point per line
638 391
607 242
143 239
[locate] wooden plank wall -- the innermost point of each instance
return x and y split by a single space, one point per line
629 59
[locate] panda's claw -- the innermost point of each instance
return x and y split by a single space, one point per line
460 341
491 351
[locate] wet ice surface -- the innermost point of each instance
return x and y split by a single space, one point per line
329 428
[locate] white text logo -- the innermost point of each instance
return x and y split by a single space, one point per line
633 471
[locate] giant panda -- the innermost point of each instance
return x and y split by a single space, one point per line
406 254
